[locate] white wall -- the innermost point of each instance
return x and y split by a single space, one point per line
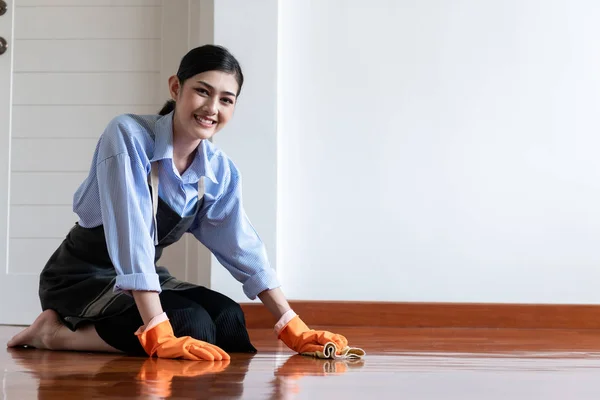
426 151
249 30
439 151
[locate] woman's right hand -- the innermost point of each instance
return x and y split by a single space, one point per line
158 339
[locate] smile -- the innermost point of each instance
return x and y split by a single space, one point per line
206 122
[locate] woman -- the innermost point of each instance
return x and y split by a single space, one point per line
153 178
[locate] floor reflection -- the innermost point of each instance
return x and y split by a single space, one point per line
288 377
93 376
58 375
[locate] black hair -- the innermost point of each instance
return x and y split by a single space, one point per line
206 58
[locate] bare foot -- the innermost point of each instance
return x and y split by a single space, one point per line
41 334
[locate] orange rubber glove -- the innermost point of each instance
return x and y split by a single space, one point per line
292 331
158 339
156 375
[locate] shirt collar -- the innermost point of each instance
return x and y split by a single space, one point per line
163 149
163 138
201 165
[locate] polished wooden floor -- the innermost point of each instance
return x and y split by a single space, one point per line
400 364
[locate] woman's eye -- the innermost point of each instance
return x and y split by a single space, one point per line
227 100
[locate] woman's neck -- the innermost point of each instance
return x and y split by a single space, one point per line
183 158
184 151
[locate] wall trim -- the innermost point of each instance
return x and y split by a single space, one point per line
433 315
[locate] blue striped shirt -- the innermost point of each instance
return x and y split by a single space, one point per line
116 195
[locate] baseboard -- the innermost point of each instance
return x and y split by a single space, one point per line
434 315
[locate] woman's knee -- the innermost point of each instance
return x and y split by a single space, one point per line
231 329
230 313
194 322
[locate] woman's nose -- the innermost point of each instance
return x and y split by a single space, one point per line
211 105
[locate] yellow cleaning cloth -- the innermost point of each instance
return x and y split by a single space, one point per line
330 351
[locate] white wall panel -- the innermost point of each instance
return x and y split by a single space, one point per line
85 88
88 3
41 221
87 23
174 258
138 55
72 67
76 121
46 155
54 188
28 256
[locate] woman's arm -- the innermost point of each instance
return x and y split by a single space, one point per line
224 228
148 304
126 207
275 302
126 210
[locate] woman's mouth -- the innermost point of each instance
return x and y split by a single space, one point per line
204 121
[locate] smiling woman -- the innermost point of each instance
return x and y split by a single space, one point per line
154 178
206 95
206 103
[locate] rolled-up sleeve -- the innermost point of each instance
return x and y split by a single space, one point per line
224 228
126 208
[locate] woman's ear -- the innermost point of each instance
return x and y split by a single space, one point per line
174 87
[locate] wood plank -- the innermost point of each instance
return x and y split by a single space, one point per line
107 55
33 88
434 315
52 23
52 155
73 121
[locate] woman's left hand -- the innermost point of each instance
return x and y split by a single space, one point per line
300 338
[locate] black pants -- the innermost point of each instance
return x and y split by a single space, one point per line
200 313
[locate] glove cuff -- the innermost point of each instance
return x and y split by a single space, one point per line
283 321
153 322
159 328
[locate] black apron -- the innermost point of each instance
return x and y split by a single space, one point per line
78 279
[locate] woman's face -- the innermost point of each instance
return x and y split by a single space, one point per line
204 104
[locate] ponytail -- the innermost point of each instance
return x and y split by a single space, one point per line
167 108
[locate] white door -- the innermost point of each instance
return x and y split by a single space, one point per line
69 67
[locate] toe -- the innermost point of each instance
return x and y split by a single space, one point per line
20 339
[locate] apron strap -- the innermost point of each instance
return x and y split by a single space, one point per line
154 184
200 189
